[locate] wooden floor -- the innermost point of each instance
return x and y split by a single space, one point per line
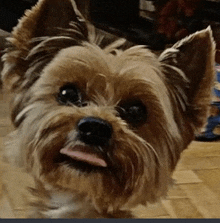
196 193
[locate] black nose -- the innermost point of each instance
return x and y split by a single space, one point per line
94 131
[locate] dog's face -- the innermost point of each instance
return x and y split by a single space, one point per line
106 123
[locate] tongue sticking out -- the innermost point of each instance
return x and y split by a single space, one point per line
82 154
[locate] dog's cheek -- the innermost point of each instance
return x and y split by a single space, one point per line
45 132
136 160
41 152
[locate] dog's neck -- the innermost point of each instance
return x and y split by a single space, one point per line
61 204
49 202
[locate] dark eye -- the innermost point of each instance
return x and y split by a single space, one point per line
69 94
134 112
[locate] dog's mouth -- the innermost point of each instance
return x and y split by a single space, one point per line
83 158
84 154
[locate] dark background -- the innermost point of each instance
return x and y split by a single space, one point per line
121 17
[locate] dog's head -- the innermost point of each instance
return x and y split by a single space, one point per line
104 122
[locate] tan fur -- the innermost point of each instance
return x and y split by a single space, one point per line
45 54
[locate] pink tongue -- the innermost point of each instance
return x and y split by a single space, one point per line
78 153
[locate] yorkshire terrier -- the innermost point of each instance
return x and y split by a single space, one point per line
100 126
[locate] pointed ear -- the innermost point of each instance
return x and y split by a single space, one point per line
47 19
189 69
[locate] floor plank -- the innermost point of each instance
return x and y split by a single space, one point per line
205 200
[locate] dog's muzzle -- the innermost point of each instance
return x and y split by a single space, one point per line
96 134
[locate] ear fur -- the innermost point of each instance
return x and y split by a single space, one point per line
44 19
47 23
189 69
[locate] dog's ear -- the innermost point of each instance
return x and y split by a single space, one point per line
189 69
44 19
48 19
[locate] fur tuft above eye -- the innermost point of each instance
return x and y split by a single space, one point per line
69 95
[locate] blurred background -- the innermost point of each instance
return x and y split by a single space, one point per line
152 22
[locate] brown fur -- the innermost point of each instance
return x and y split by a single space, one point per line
47 52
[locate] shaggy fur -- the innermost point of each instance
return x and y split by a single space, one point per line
51 47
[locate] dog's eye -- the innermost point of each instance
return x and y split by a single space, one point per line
69 94
134 112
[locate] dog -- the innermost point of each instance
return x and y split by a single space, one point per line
99 126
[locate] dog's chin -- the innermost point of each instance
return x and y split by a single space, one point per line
83 158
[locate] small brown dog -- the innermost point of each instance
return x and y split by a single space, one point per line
100 128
